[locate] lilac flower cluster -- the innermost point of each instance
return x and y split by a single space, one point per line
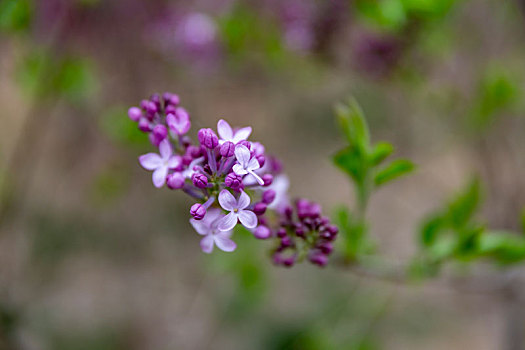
233 182
304 233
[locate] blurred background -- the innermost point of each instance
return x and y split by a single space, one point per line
93 257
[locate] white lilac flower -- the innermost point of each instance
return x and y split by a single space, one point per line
238 211
160 164
246 164
226 133
208 227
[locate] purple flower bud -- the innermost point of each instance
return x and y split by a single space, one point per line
143 104
160 132
286 241
261 159
259 208
193 151
144 125
208 138
233 181
198 211
170 110
175 181
268 179
187 159
268 196
276 165
281 232
170 99
227 149
332 229
151 108
288 212
155 98
288 262
319 259
300 230
246 143
326 247
262 232
199 180
134 113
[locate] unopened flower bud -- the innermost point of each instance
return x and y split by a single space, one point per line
227 149
261 159
259 208
198 211
144 125
281 232
160 132
268 196
319 259
208 138
326 247
170 99
233 181
262 232
199 180
134 113
175 181
268 179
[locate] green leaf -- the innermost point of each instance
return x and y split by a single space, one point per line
353 161
463 207
380 152
15 15
431 229
395 169
353 123
505 247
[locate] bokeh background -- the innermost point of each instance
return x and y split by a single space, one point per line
93 257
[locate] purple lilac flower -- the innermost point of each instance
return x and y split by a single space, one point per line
238 211
246 164
179 122
208 227
160 164
249 186
226 133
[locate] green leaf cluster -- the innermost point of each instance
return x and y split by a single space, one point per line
454 233
367 168
362 161
394 15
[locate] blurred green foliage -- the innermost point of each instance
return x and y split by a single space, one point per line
115 123
363 163
44 75
454 233
395 15
15 15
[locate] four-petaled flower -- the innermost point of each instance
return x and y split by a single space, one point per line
179 122
237 209
208 227
226 133
246 164
160 164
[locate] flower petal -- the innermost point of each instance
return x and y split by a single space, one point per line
228 222
227 201
242 134
159 176
242 153
150 161
224 243
207 244
253 164
225 130
165 149
201 226
174 161
212 215
239 170
247 218
244 200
